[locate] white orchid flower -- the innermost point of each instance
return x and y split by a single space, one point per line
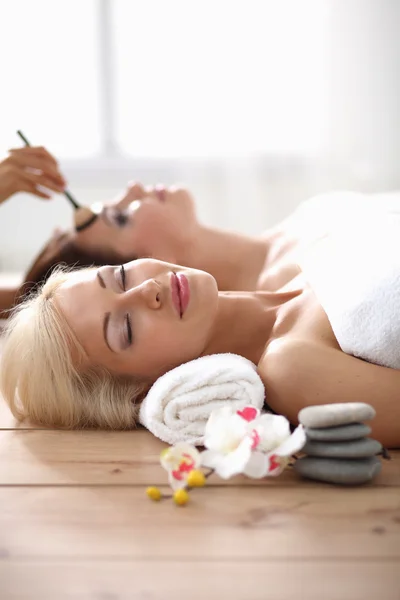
179 461
243 441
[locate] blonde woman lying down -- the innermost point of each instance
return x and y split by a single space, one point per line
322 327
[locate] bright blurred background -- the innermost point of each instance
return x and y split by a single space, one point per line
255 105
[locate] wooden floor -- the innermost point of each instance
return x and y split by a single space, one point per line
75 523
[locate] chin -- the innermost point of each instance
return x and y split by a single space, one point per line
213 283
210 288
183 196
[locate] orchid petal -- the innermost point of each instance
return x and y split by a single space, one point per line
210 459
176 484
218 415
293 444
234 462
248 413
276 464
257 466
273 430
172 457
225 435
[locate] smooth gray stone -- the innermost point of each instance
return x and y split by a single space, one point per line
330 415
354 449
341 433
342 471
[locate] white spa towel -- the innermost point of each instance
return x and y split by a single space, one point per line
354 271
178 405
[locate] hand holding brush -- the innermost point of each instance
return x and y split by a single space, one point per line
30 170
84 215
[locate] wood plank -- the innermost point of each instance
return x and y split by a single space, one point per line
221 523
157 580
109 457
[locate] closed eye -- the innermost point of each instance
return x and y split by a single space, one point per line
127 316
129 329
114 217
121 218
123 277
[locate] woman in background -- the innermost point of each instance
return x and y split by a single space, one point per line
161 223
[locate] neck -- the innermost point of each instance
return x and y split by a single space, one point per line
235 260
246 322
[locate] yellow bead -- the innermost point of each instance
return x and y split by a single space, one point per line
196 478
153 493
181 497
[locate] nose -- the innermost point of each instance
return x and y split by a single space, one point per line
148 293
135 191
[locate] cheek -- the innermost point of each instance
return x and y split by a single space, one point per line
94 237
167 347
113 243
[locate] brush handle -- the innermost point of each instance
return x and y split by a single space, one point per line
71 199
66 193
23 138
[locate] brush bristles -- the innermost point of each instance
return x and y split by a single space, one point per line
84 217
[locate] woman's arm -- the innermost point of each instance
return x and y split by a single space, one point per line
8 296
298 374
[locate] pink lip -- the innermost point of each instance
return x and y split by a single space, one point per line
175 290
184 291
161 193
180 293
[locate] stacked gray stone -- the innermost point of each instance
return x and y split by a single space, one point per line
337 447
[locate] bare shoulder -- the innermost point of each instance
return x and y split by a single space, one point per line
298 373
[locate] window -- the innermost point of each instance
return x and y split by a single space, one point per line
219 77
165 78
50 75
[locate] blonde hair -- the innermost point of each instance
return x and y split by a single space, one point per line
42 376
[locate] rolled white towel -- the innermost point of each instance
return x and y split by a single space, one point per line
178 405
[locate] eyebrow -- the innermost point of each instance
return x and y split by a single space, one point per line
107 315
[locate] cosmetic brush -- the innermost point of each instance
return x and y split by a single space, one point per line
83 215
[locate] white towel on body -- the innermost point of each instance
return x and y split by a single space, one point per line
178 405
354 271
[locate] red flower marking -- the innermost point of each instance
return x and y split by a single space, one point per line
256 439
274 462
249 413
185 466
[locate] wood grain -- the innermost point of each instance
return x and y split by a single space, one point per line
197 580
76 524
107 457
221 523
